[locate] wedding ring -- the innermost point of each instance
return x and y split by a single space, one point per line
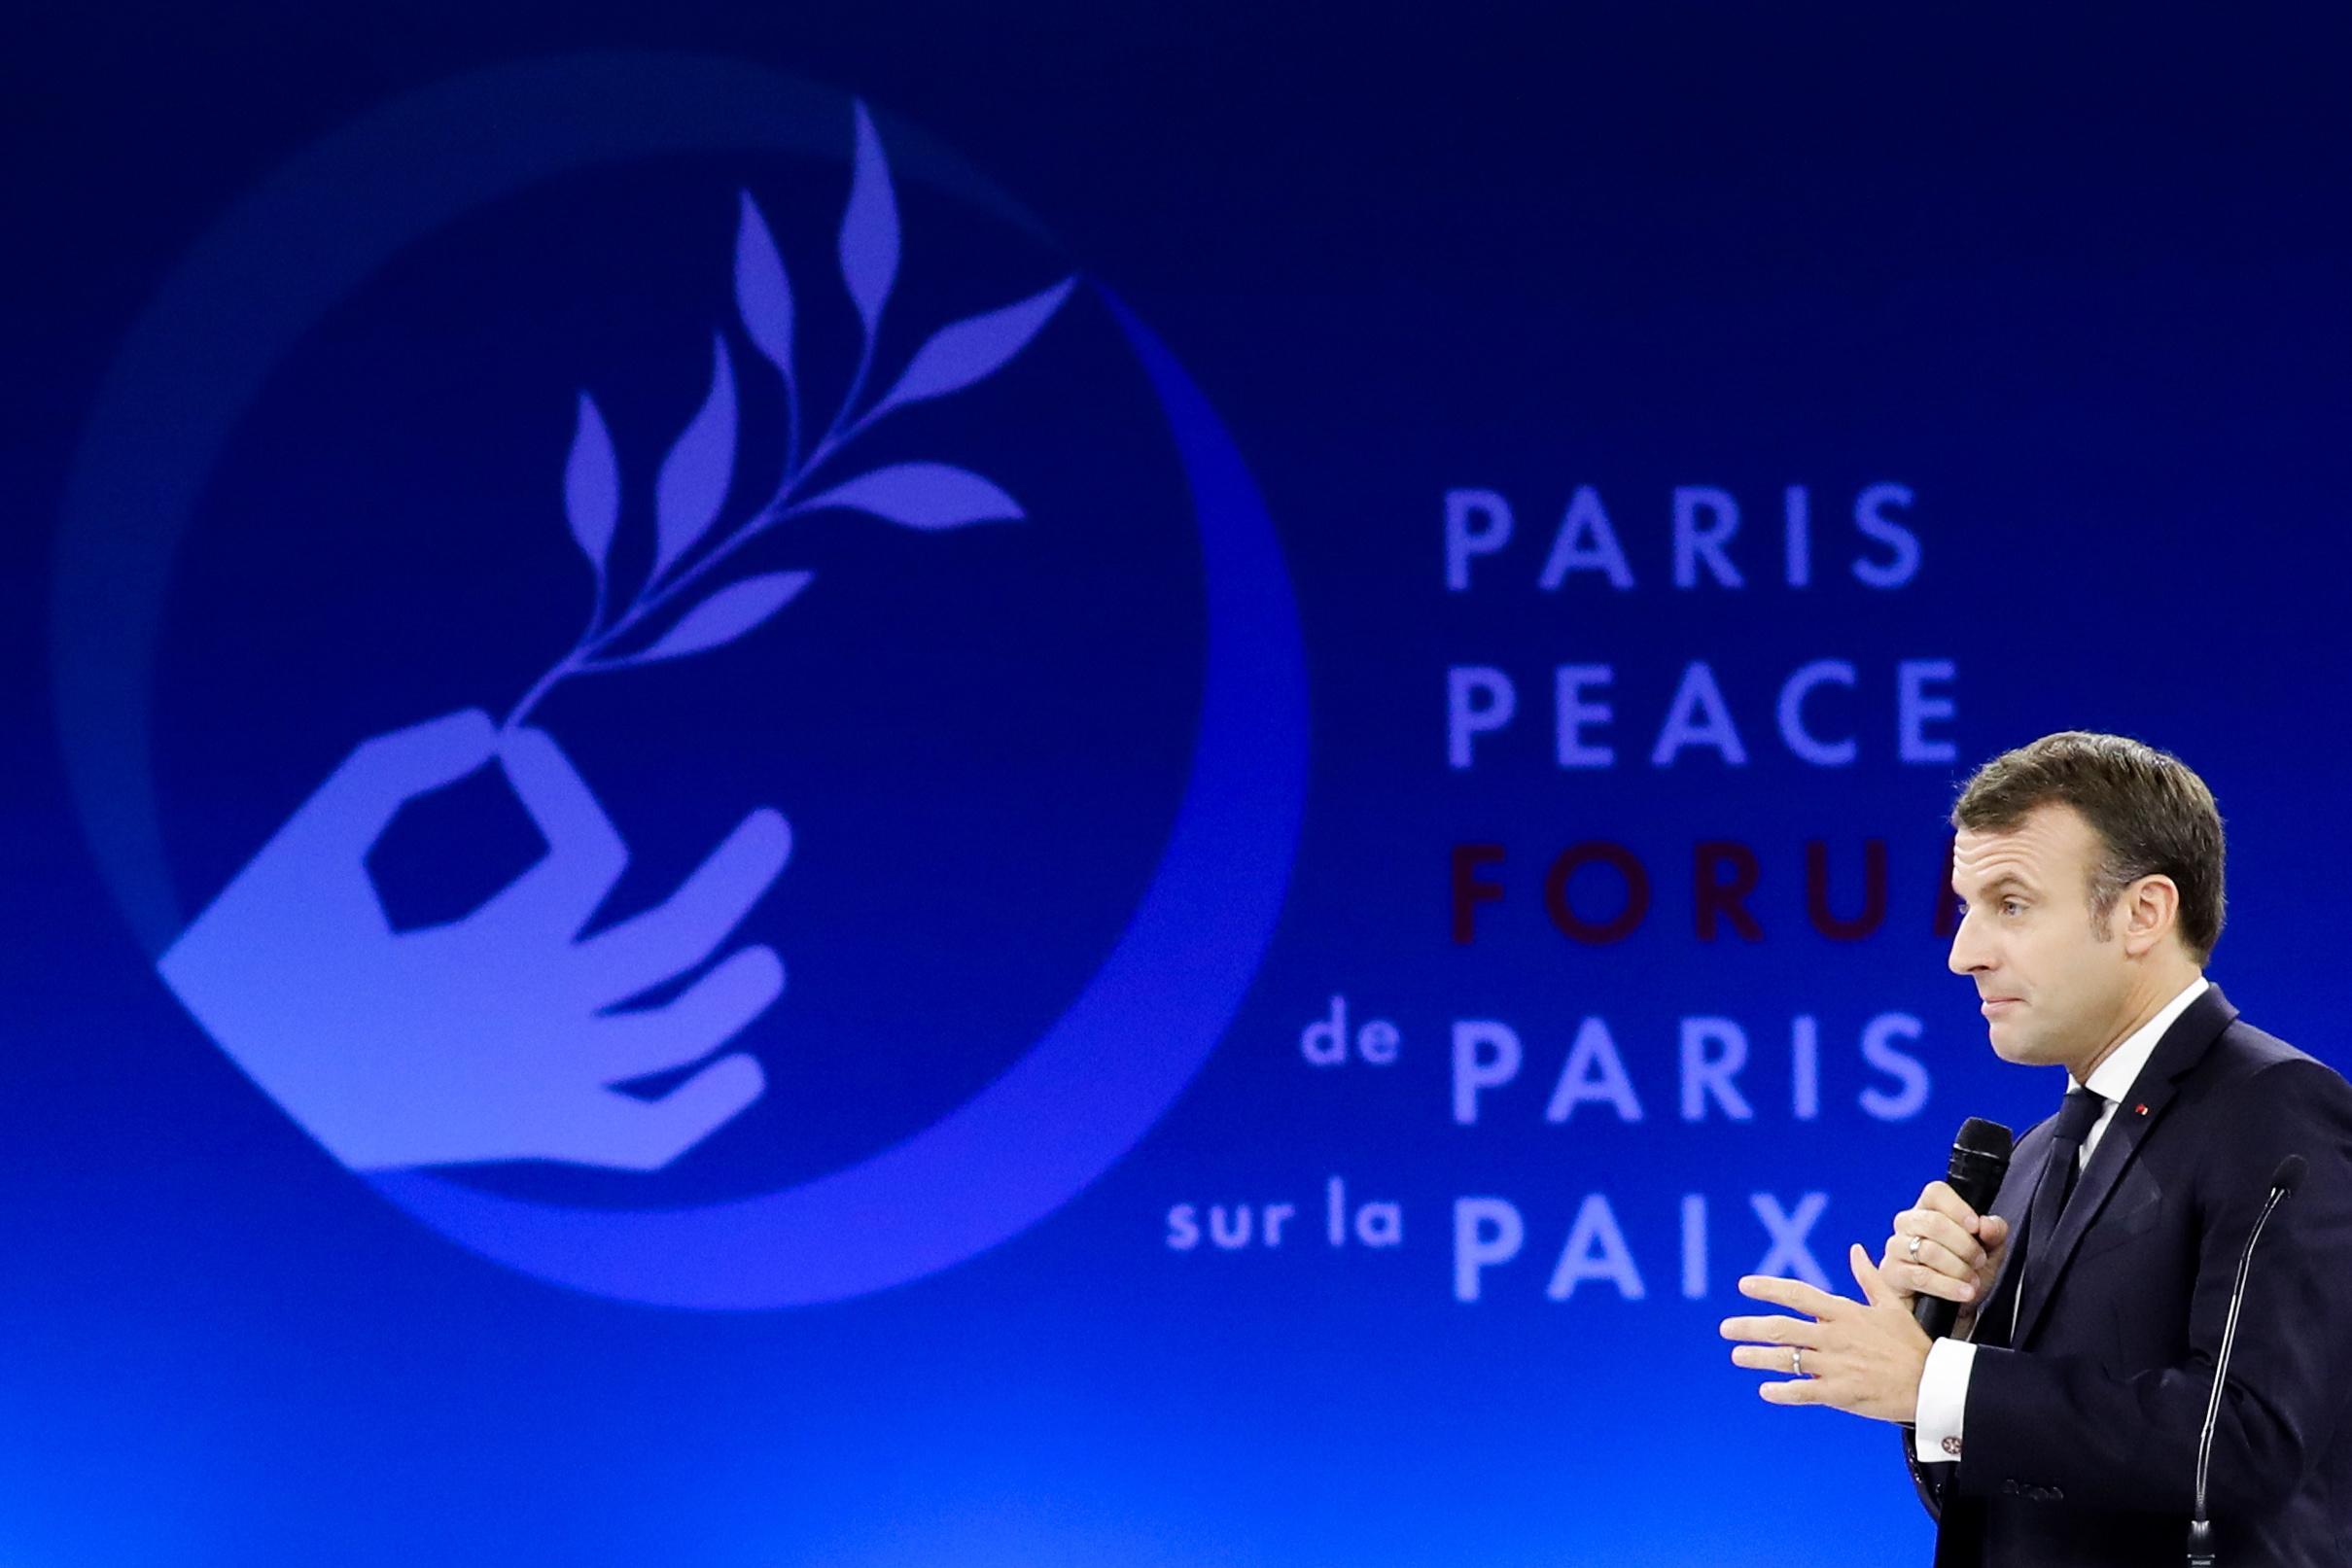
1913 1249
1796 1360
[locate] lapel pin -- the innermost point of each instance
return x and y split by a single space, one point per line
2141 1109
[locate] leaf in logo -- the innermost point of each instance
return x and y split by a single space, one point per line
976 347
592 486
692 484
727 614
922 495
762 292
869 228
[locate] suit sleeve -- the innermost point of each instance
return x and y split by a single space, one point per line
1931 1473
1930 1482
2110 1441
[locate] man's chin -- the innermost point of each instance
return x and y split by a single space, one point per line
2015 1046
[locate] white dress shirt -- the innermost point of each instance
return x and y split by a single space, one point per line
1943 1385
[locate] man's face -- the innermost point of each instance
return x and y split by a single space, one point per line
2051 989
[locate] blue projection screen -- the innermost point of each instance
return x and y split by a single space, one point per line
1069 788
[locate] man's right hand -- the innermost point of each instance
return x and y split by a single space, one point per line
1958 1251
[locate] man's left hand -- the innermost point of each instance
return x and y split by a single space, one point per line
1862 1356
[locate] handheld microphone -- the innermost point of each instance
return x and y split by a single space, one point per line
2283 1182
1979 1159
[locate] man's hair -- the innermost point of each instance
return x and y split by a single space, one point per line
2153 813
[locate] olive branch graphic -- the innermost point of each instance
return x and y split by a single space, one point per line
689 491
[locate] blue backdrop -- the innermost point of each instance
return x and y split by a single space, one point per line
899 786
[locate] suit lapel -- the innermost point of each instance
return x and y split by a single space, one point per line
2181 1047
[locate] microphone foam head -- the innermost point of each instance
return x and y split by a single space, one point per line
1991 1138
2290 1174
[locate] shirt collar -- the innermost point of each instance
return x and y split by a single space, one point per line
2113 1077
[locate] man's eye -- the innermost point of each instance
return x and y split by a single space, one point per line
2011 906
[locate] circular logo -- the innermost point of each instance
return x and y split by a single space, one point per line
615 442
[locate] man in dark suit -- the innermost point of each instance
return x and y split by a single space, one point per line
2059 1424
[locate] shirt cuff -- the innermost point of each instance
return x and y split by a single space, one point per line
1943 1400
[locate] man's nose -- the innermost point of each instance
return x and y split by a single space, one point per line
1967 955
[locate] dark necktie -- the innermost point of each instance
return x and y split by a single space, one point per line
2056 1185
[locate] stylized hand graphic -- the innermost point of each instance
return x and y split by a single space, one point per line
493 1037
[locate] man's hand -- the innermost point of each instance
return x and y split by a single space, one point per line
1958 1252
1861 1356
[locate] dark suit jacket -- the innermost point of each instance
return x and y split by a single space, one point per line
2081 1431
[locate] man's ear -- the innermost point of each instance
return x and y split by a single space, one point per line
2152 908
